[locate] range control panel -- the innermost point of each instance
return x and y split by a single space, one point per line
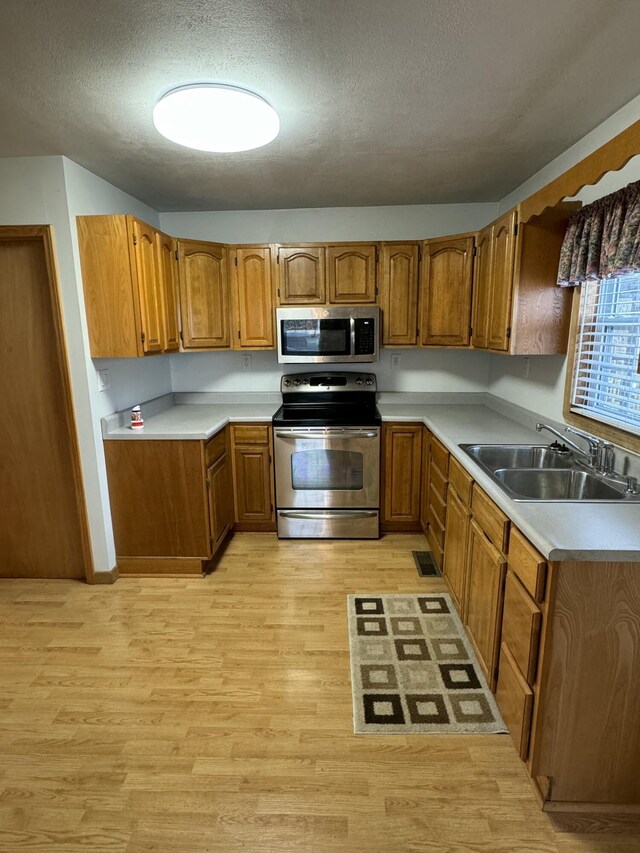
322 382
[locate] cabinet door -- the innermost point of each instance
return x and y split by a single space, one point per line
253 298
252 480
424 496
301 275
204 295
145 273
402 454
455 549
352 274
168 274
220 500
486 568
445 316
482 289
399 294
504 243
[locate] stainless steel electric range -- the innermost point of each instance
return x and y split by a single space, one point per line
326 438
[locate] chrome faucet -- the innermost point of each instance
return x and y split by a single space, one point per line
575 447
596 447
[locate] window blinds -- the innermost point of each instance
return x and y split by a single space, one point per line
606 383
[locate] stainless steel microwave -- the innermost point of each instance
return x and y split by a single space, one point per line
316 335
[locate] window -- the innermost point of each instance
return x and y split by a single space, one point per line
606 382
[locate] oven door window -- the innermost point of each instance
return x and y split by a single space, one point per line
316 337
332 470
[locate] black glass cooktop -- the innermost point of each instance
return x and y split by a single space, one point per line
339 414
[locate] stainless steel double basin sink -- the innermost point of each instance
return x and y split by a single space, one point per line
529 472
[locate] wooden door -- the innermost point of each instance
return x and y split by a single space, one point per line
424 494
168 275
445 297
504 244
301 275
144 269
455 549
43 533
204 295
253 492
220 500
352 273
486 568
252 289
399 294
482 289
402 455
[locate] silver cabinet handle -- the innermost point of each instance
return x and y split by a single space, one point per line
327 516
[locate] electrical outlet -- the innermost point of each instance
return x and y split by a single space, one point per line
245 362
104 383
526 367
396 358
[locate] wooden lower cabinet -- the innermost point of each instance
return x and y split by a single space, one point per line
424 487
253 477
401 476
170 503
486 567
515 700
454 568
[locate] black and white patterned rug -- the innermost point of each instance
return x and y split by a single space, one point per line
413 670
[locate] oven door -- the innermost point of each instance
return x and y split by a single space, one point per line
318 467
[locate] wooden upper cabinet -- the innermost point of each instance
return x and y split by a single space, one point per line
204 295
168 275
445 316
503 240
123 288
252 292
145 269
301 275
352 273
399 293
482 288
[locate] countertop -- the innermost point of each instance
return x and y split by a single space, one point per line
560 531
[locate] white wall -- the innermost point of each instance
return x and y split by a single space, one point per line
420 370
543 391
404 222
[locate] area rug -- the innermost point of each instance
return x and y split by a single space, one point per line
413 670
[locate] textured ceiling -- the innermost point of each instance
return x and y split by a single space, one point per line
417 101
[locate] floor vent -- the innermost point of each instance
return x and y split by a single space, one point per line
425 564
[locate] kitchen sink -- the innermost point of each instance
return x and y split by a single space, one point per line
494 456
556 485
530 472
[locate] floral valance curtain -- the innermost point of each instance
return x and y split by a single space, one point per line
602 239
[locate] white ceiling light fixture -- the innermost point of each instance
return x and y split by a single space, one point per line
215 117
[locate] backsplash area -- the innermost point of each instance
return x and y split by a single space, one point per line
418 370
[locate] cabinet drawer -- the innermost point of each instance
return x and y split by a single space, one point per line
435 519
439 455
492 520
515 700
521 626
528 564
438 482
460 480
250 434
215 447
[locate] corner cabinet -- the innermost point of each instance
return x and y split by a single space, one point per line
399 294
251 276
129 287
517 307
445 293
204 295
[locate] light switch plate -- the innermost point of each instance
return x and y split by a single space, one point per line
104 383
245 362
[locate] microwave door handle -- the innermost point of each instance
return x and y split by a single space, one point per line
352 323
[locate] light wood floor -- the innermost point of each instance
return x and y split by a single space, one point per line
215 715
